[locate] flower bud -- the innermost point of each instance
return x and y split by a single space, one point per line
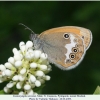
30 92
11 60
15 50
39 73
32 78
37 54
23 71
21 93
29 44
47 78
18 63
43 56
10 85
21 44
19 85
15 78
33 65
43 67
8 72
18 57
9 66
6 90
21 77
37 83
27 87
2 67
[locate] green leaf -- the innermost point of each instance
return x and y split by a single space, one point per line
39 89
2 92
97 91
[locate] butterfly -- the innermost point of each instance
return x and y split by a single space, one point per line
65 46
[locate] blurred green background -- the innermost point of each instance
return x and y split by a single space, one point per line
40 16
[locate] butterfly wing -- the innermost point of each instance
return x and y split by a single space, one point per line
86 35
65 49
83 33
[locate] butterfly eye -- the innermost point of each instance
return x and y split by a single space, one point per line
72 56
75 50
66 35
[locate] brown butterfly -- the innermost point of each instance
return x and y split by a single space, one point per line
65 46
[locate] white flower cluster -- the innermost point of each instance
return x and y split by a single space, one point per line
26 70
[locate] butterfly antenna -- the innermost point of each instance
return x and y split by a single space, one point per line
26 27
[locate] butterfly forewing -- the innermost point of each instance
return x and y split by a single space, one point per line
83 33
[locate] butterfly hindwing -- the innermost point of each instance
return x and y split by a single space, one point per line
65 49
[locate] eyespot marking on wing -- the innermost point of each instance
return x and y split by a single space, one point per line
75 49
66 35
69 47
72 56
